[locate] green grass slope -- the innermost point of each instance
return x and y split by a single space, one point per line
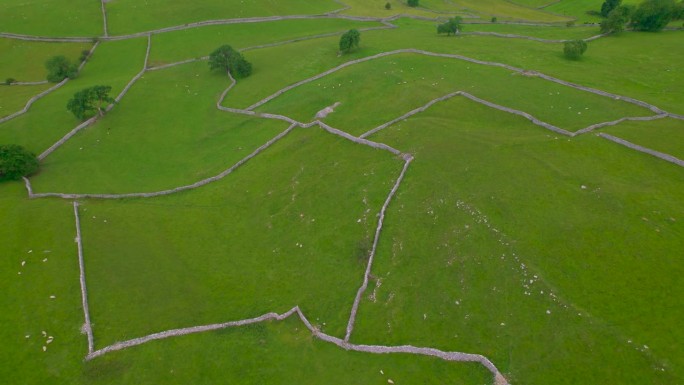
493 245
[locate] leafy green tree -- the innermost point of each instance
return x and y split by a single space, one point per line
350 40
16 161
608 6
616 20
678 13
9 81
225 58
60 68
452 26
653 15
388 6
89 101
412 3
574 49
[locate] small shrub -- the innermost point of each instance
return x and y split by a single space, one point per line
388 6
60 68
84 55
494 19
9 81
570 23
574 49
412 3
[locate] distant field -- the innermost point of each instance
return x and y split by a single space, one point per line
193 43
128 16
51 17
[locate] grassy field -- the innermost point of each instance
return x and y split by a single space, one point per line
51 17
302 217
468 241
113 63
666 135
557 258
194 43
404 82
14 98
186 138
128 16
25 61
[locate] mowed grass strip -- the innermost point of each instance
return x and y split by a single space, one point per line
198 42
113 63
24 61
51 18
290 227
391 86
273 353
664 135
40 286
166 132
129 16
597 226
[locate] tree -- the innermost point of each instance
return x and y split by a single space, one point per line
388 6
653 15
225 58
616 20
452 26
678 13
16 161
60 68
88 101
608 6
412 3
350 40
574 49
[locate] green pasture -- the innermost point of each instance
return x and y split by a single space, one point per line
51 17
664 135
113 63
397 84
557 258
170 131
196 43
273 352
14 98
130 16
24 61
492 209
291 227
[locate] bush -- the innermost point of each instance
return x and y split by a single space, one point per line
388 6
16 161
60 68
412 3
494 19
574 49
9 81
452 26
350 40
226 58
84 55
653 15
